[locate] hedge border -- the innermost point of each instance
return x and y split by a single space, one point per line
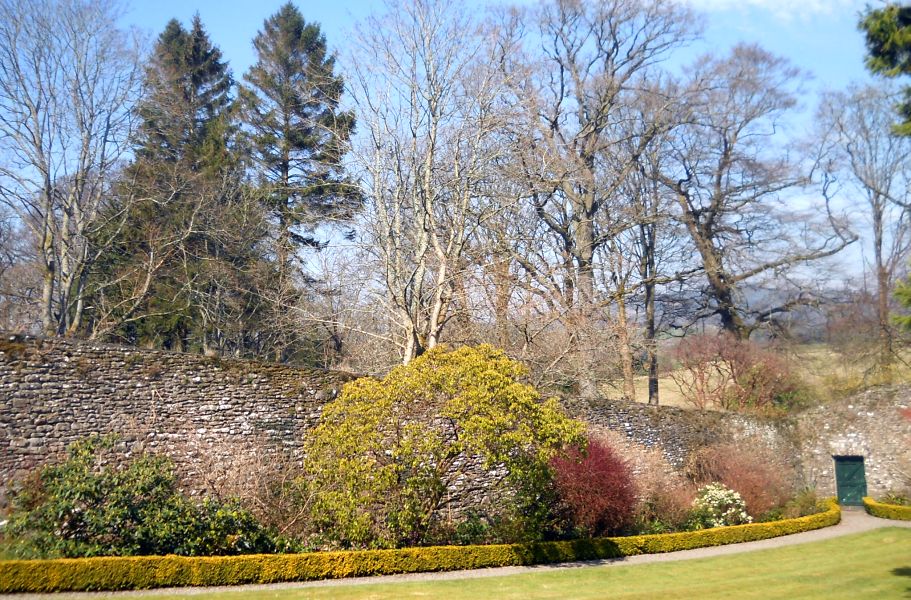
143 572
887 511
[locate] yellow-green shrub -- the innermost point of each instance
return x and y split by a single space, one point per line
383 456
120 573
887 511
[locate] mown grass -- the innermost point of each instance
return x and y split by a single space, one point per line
875 564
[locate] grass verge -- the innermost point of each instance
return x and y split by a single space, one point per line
874 564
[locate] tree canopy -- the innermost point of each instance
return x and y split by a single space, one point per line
888 32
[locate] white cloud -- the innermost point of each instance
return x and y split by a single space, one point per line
784 10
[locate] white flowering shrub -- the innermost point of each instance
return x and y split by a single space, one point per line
716 506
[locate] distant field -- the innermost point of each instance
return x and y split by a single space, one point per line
875 564
828 373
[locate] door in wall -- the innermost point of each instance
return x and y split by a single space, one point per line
850 481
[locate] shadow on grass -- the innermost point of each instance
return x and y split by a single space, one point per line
903 572
570 553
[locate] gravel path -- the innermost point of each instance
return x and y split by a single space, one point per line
852 521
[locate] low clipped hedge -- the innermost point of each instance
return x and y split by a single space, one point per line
887 511
123 573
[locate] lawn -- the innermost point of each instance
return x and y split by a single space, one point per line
876 564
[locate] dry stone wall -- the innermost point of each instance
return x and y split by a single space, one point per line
216 417
677 432
54 392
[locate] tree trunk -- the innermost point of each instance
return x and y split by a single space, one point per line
49 277
722 290
626 351
886 356
651 344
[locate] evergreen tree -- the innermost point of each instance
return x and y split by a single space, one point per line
888 32
299 135
193 226
188 96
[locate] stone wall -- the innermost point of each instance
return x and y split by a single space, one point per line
213 416
54 392
869 424
677 431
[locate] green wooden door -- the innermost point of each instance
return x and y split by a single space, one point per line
850 480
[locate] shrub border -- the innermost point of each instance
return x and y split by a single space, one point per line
142 572
887 511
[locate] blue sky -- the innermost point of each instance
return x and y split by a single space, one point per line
819 36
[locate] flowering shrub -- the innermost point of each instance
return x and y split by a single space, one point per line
717 506
759 475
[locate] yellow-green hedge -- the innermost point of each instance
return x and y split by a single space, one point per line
887 511
122 573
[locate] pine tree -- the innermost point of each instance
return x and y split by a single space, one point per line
189 95
299 135
888 32
190 215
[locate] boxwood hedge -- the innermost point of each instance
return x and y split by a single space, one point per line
122 573
887 511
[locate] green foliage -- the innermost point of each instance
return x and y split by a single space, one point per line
299 135
383 452
96 504
149 572
888 33
903 295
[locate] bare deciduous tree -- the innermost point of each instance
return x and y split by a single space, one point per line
577 70
429 108
19 286
68 81
738 188
873 168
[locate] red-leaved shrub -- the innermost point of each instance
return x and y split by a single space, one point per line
664 496
595 488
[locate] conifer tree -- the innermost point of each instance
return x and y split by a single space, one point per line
888 33
299 134
192 223
188 94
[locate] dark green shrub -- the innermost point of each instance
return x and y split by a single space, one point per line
99 503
